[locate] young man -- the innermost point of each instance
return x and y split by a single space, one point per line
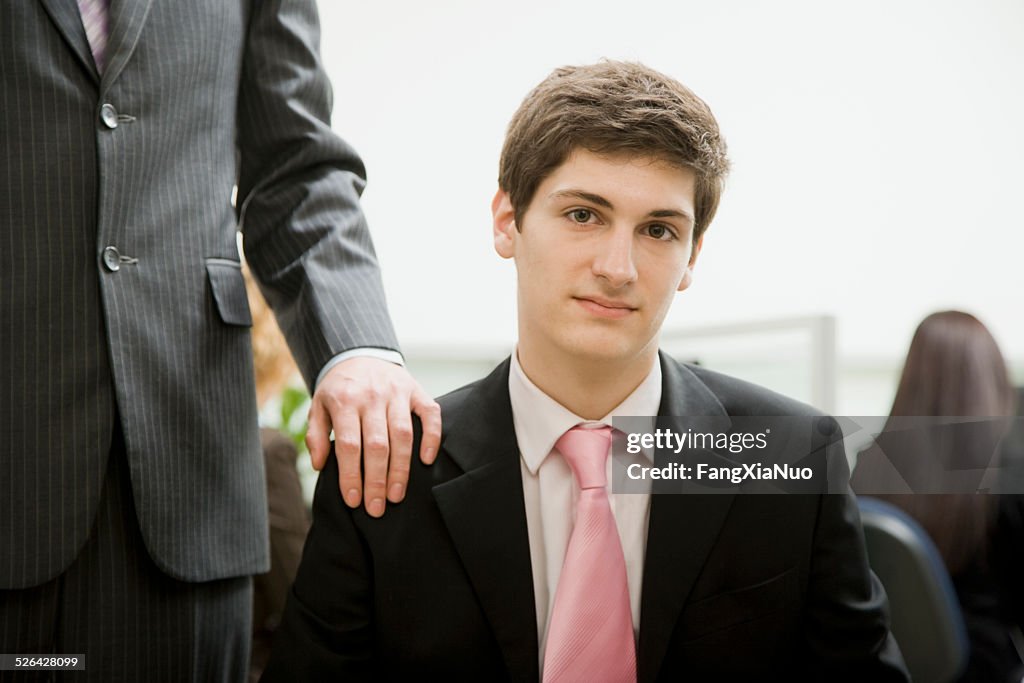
508 558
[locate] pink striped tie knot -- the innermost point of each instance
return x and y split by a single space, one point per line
586 451
590 637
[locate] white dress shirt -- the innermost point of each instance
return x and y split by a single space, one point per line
550 490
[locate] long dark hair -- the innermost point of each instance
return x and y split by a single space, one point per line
954 369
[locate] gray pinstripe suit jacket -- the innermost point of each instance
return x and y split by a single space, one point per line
202 94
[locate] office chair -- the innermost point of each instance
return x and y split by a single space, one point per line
926 618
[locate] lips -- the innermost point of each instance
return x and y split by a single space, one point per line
605 308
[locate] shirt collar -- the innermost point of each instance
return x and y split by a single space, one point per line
540 420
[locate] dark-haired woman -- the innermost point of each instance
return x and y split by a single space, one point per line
934 470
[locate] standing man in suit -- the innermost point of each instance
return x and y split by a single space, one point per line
132 503
509 560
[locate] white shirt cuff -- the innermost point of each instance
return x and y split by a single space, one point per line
361 352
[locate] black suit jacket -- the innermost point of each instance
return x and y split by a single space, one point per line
766 586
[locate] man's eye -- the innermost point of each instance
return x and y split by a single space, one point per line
660 232
581 215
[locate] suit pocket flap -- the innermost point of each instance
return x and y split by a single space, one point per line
228 287
735 607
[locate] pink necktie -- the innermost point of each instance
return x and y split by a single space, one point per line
95 17
591 633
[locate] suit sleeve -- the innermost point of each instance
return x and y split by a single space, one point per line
846 620
305 236
326 631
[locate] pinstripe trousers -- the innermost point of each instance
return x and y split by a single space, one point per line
130 620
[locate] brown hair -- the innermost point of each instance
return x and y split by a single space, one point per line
613 108
954 368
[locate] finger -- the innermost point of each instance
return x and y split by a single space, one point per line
318 434
400 439
348 449
430 416
375 456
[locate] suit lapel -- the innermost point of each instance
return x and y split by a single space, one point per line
681 531
484 512
127 17
65 16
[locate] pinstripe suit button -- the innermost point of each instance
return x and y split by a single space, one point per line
112 259
108 115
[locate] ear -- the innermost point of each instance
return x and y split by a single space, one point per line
688 273
504 225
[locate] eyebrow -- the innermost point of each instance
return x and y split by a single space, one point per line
601 201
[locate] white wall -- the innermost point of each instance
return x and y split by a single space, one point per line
878 153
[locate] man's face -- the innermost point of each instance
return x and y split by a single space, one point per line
603 247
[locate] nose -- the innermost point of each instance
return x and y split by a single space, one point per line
614 260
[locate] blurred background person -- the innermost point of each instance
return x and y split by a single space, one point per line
289 516
954 369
